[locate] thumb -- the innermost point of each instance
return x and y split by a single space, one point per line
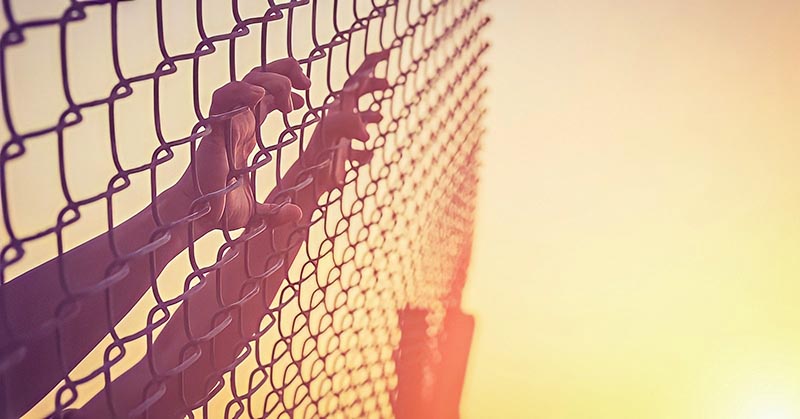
279 214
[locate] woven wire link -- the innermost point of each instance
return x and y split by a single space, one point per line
397 235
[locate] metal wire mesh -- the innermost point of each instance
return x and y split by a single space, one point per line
333 315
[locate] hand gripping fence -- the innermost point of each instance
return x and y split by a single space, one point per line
339 296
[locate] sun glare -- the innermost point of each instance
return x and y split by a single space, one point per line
771 409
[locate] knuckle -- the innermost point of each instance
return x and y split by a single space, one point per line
251 77
280 85
219 92
287 60
256 90
284 84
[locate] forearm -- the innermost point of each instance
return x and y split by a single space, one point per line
69 294
246 284
215 348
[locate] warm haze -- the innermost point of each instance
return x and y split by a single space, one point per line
638 234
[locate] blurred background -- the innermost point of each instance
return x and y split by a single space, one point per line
639 228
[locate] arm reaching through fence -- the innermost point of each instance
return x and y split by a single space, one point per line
208 334
59 309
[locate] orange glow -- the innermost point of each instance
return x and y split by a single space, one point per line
638 233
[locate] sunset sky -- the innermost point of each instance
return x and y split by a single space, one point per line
639 218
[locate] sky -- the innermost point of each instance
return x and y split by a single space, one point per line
638 234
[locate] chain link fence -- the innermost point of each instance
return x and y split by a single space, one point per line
171 248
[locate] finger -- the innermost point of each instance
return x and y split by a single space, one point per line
362 74
235 95
278 86
297 101
363 157
372 84
70 414
344 125
337 165
279 214
372 60
371 117
248 145
290 68
360 85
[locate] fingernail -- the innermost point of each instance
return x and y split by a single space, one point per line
291 213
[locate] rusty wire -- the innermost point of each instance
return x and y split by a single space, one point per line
396 237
